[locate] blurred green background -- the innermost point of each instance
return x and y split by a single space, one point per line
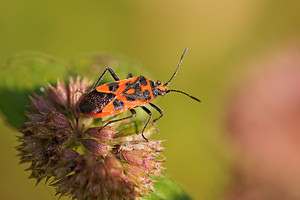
222 35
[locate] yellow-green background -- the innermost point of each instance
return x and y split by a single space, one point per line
223 36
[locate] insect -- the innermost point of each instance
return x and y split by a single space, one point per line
126 94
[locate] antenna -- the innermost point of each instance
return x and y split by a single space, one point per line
184 94
167 83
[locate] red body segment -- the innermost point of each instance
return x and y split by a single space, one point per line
121 95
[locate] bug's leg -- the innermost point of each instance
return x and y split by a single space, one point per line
133 114
129 75
112 73
150 115
158 110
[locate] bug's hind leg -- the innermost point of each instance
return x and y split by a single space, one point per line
133 114
112 73
150 115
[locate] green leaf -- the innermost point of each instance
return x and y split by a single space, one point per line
23 74
166 189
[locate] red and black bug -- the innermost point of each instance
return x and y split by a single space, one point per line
120 95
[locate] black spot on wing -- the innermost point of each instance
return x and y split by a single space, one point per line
118 104
143 81
128 98
95 101
137 95
113 86
135 85
147 95
137 89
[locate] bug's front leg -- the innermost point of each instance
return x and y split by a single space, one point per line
150 115
158 110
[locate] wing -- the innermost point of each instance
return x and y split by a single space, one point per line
95 101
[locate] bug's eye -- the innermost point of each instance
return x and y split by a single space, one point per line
161 92
158 82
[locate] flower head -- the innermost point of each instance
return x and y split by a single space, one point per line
80 159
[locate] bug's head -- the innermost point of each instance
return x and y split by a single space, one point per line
161 89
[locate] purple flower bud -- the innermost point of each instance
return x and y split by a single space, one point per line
105 135
97 148
59 94
57 120
41 104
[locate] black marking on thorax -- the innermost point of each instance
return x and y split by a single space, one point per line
95 101
154 89
143 81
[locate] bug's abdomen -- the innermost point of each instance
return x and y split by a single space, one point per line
95 101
